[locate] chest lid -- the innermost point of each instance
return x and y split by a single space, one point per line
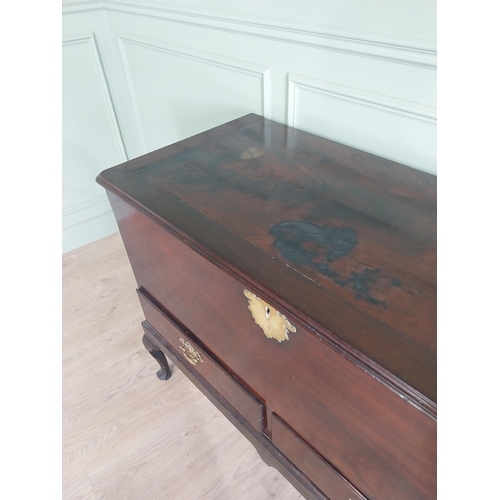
335 235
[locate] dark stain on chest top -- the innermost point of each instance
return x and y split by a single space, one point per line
306 244
361 282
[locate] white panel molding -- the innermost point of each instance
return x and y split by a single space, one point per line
89 204
78 234
131 91
93 217
90 39
255 70
359 97
71 7
396 49
84 222
80 226
77 218
80 219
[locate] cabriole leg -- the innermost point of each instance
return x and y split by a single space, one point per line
164 373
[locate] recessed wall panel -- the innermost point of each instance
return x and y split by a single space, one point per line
179 92
400 131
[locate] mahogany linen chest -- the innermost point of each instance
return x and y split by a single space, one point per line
293 280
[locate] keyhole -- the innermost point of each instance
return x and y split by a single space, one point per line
268 312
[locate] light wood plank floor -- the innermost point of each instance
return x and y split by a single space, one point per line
127 435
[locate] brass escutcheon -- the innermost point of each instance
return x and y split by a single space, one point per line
189 352
274 324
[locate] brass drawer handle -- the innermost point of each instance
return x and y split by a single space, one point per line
189 352
274 324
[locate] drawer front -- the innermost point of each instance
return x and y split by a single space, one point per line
377 440
320 472
183 343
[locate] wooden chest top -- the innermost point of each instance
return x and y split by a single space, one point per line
343 239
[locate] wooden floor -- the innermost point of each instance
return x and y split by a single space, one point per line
127 435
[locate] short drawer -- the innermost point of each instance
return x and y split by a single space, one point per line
318 470
182 342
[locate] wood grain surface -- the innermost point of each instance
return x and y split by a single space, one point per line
341 238
127 435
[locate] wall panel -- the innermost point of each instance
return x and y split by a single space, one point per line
186 91
377 124
91 141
